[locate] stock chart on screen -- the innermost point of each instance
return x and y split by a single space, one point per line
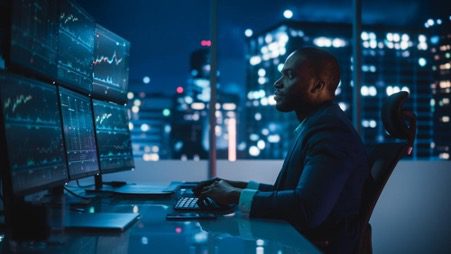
110 66
79 134
34 139
34 36
75 47
113 137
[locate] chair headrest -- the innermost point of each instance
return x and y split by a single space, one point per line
399 123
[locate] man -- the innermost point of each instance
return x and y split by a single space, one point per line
320 185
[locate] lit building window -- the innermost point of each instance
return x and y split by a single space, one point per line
254 151
261 144
253 137
445 119
322 42
248 32
274 138
288 14
422 62
258 116
198 106
229 106
445 84
145 127
446 66
255 60
444 156
135 109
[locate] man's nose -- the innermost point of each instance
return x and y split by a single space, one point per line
278 83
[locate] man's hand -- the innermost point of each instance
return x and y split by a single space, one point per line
222 192
201 185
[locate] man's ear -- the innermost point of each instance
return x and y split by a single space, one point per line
318 86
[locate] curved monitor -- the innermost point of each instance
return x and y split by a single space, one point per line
113 137
34 36
79 135
33 140
75 47
110 67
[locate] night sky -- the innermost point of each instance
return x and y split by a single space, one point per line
164 33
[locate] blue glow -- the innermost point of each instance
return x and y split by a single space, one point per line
288 14
422 62
435 39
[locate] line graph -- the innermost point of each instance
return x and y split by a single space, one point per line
16 102
110 60
68 18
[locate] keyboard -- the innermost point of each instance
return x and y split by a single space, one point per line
193 203
187 203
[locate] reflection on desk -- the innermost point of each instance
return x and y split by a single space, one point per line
152 233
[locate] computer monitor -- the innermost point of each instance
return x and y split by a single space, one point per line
32 140
34 36
113 137
110 66
76 33
3 28
79 135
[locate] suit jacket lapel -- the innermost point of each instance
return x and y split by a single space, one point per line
291 152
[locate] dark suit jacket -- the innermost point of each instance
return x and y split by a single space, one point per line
320 185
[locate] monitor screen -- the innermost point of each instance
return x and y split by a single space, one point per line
110 66
33 135
79 135
34 36
3 22
113 137
75 47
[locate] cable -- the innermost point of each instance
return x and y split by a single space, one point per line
75 194
83 186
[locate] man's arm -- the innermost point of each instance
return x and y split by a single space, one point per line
328 164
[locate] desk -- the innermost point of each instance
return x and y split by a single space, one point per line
152 233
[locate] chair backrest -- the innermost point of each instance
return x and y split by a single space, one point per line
383 157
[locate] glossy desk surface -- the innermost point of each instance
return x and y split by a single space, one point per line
152 233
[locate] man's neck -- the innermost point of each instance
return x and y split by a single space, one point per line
308 110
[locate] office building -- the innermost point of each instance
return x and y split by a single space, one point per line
392 60
150 122
439 33
189 135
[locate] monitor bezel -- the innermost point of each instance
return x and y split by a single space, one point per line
7 178
18 68
64 83
86 174
113 95
119 169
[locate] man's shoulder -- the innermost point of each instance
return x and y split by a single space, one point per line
329 115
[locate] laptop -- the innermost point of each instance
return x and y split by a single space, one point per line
147 189
99 221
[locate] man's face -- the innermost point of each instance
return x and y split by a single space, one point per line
292 88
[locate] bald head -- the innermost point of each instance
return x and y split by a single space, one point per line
322 66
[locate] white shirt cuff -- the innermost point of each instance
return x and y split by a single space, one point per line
245 203
252 185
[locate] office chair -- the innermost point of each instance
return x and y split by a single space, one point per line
400 124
